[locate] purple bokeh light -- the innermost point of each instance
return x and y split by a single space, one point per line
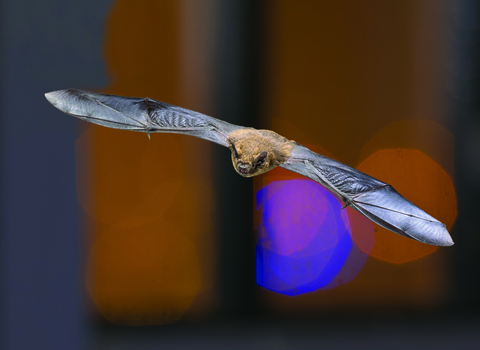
305 239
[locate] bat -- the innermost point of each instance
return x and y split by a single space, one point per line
255 152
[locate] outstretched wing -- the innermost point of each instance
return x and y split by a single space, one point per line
376 200
139 114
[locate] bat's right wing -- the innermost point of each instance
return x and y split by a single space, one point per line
375 199
139 114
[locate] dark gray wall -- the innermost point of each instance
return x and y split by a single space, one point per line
45 45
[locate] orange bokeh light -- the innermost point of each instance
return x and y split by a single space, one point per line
143 275
136 179
423 182
150 200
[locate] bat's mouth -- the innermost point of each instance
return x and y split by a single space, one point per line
243 169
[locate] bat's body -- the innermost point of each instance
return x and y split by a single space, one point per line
257 151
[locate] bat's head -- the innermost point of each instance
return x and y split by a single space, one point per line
249 165
255 152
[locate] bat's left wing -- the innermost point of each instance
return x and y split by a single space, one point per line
376 200
139 114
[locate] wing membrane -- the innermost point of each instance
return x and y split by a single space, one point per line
139 114
375 199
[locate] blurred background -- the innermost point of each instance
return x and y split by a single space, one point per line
110 240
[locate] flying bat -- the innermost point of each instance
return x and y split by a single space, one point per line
255 152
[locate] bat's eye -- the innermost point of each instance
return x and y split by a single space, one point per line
260 160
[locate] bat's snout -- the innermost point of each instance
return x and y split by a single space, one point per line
244 169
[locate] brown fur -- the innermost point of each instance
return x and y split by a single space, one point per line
249 143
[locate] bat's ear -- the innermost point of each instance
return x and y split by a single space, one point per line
260 160
234 149
261 157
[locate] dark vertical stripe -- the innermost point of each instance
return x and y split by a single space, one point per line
238 101
466 234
